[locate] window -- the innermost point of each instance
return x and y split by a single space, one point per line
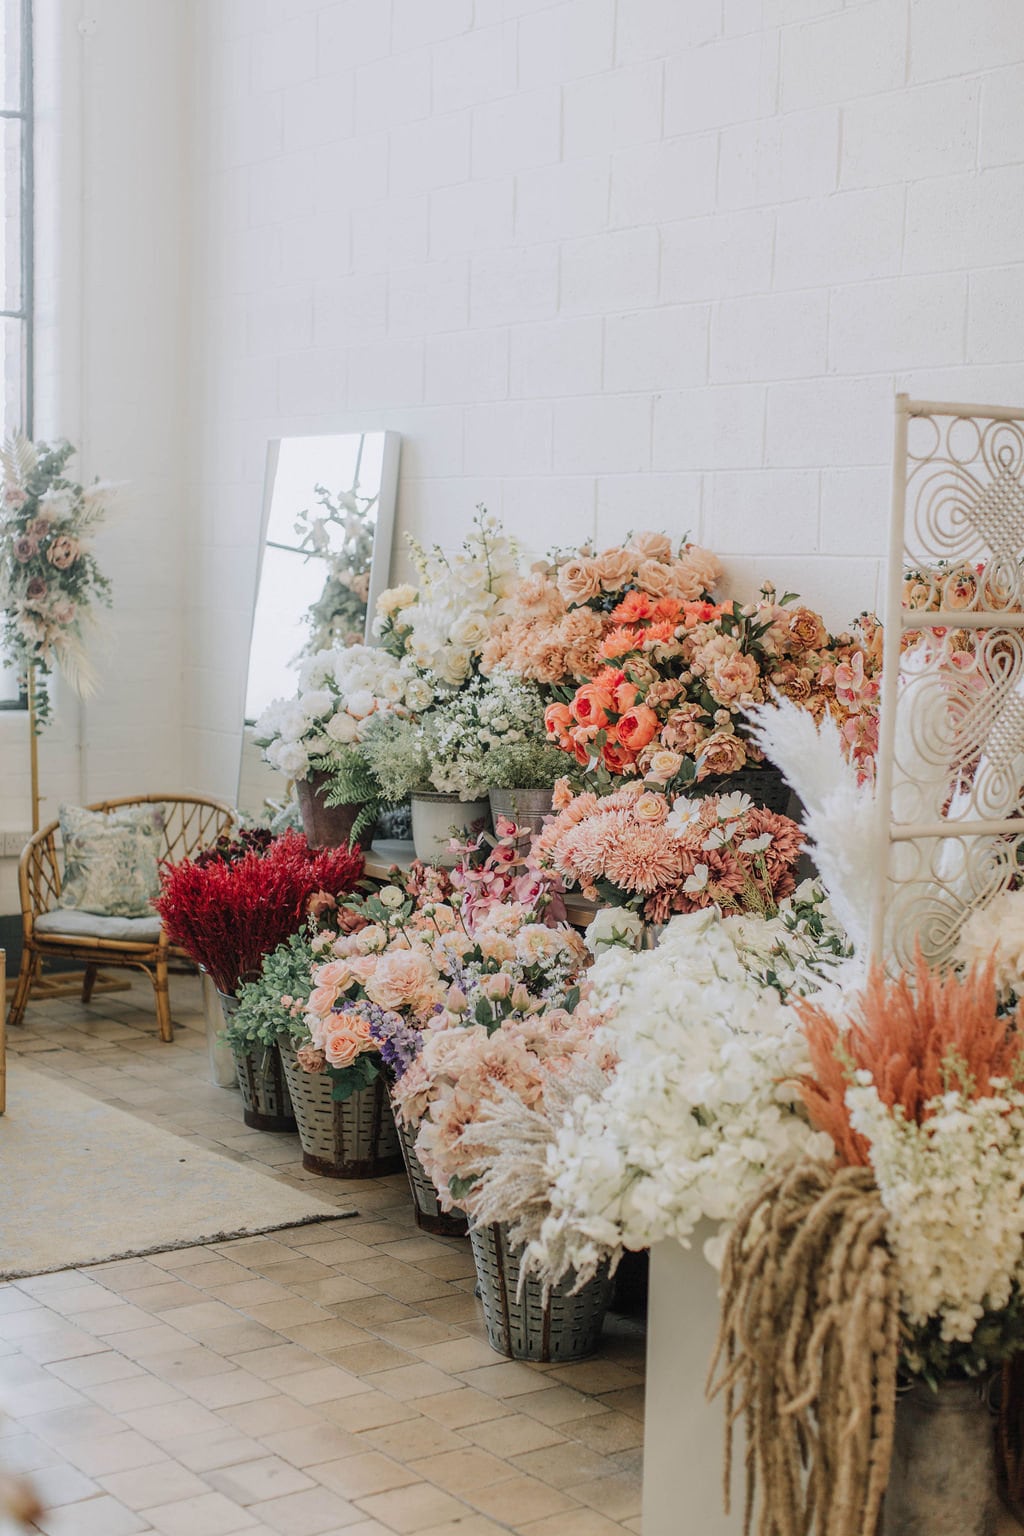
16 246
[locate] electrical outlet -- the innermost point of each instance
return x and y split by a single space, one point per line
11 844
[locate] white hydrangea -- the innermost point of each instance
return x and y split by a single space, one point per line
996 932
457 602
954 1191
703 1102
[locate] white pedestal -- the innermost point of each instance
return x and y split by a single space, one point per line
684 1441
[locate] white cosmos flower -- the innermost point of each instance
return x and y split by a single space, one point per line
683 815
756 844
733 805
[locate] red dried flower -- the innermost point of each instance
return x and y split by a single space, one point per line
227 915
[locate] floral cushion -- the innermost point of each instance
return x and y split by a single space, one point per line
111 859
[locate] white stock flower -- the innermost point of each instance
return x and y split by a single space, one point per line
614 926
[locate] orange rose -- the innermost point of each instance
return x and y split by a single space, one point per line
591 705
626 695
617 758
638 727
557 720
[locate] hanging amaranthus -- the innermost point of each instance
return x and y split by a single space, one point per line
807 1351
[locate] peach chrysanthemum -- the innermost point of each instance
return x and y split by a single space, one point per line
642 858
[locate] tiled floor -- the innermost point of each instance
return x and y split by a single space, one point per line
328 1378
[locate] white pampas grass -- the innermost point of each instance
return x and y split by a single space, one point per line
840 817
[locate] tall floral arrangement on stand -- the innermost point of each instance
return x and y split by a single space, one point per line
50 582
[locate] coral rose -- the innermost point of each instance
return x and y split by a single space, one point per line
721 753
651 546
591 705
578 580
322 1000
557 721
617 758
614 568
637 728
336 974
626 695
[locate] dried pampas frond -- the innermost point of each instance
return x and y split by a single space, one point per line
807 1351
840 818
75 666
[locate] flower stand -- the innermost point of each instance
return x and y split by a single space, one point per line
356 1139
434 816
525 1326
327 826
266 1105
684 1437
429 1215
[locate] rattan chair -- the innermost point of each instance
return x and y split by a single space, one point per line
140 943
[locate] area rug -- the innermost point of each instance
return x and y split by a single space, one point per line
81 1182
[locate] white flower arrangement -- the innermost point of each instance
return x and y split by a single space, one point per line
443 625
703 1102
490 735
996 932
340 692
953 1188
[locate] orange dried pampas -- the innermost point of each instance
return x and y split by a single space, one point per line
918 1036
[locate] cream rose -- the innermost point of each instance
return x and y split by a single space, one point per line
651 546
343 1037
403 979
614 568
578 580
664 765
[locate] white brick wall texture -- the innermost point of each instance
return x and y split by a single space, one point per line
603 263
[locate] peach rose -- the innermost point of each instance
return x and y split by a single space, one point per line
345 1036
702 568
322 1000
497 987
655 578
614 568
557 721
721 753
562 795
735 678
591 705
664 765
638 727
651 546
403 979
63 552
578 580
336 974
626 695
651 809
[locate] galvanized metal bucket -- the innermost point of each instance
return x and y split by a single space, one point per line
560 1326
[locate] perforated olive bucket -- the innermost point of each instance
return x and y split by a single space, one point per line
353 1140
265 1102
429 1215
532 1327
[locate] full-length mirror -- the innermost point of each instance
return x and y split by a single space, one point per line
328 517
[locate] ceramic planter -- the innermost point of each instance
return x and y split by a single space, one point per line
434 817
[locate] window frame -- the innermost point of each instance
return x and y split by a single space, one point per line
24 113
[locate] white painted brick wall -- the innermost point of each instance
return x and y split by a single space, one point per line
603 263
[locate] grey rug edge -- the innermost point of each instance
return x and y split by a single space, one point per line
343 1213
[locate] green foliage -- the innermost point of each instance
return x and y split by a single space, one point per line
345 1081
261 1017
459 1187
532 764
352 782
396 755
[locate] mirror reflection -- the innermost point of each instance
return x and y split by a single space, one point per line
328 517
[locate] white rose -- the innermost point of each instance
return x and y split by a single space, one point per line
614 926
419 694
290 757
342 728
390 688
293 722
470 632
395 598
392 896
455 665
361 703
317 703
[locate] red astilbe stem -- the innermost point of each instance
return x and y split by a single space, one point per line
918 1035
227 915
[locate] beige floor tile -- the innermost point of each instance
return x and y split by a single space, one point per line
90 1370
636 1526
164 1483
456 1355
134 1392
207 1514
576 1522
461 1471
228 1387
67 1426
107 1322
170 1293
172 1420
126 1275
26 1453
121 1452
206 1453
61 1344
415 1438
355 1477
412 1332
467 1525
294 1271
158 1339
42 1395
268 1417
517 1499
509 1378
374 1355
402 1281
275 1360
630 1400
564 1465
250 1482
416 1508
249 1293
61 1484
605 1432
617 1497
187 1362
100 1516
317 1512
558 1405
373 1312
456 1307
327 1293
314 1444
596 1376
461 1406
324 1384
290 1313
85 1296
408 1382
337 1250
369 1410
335 1333
209 1272
238 1337
512 1435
